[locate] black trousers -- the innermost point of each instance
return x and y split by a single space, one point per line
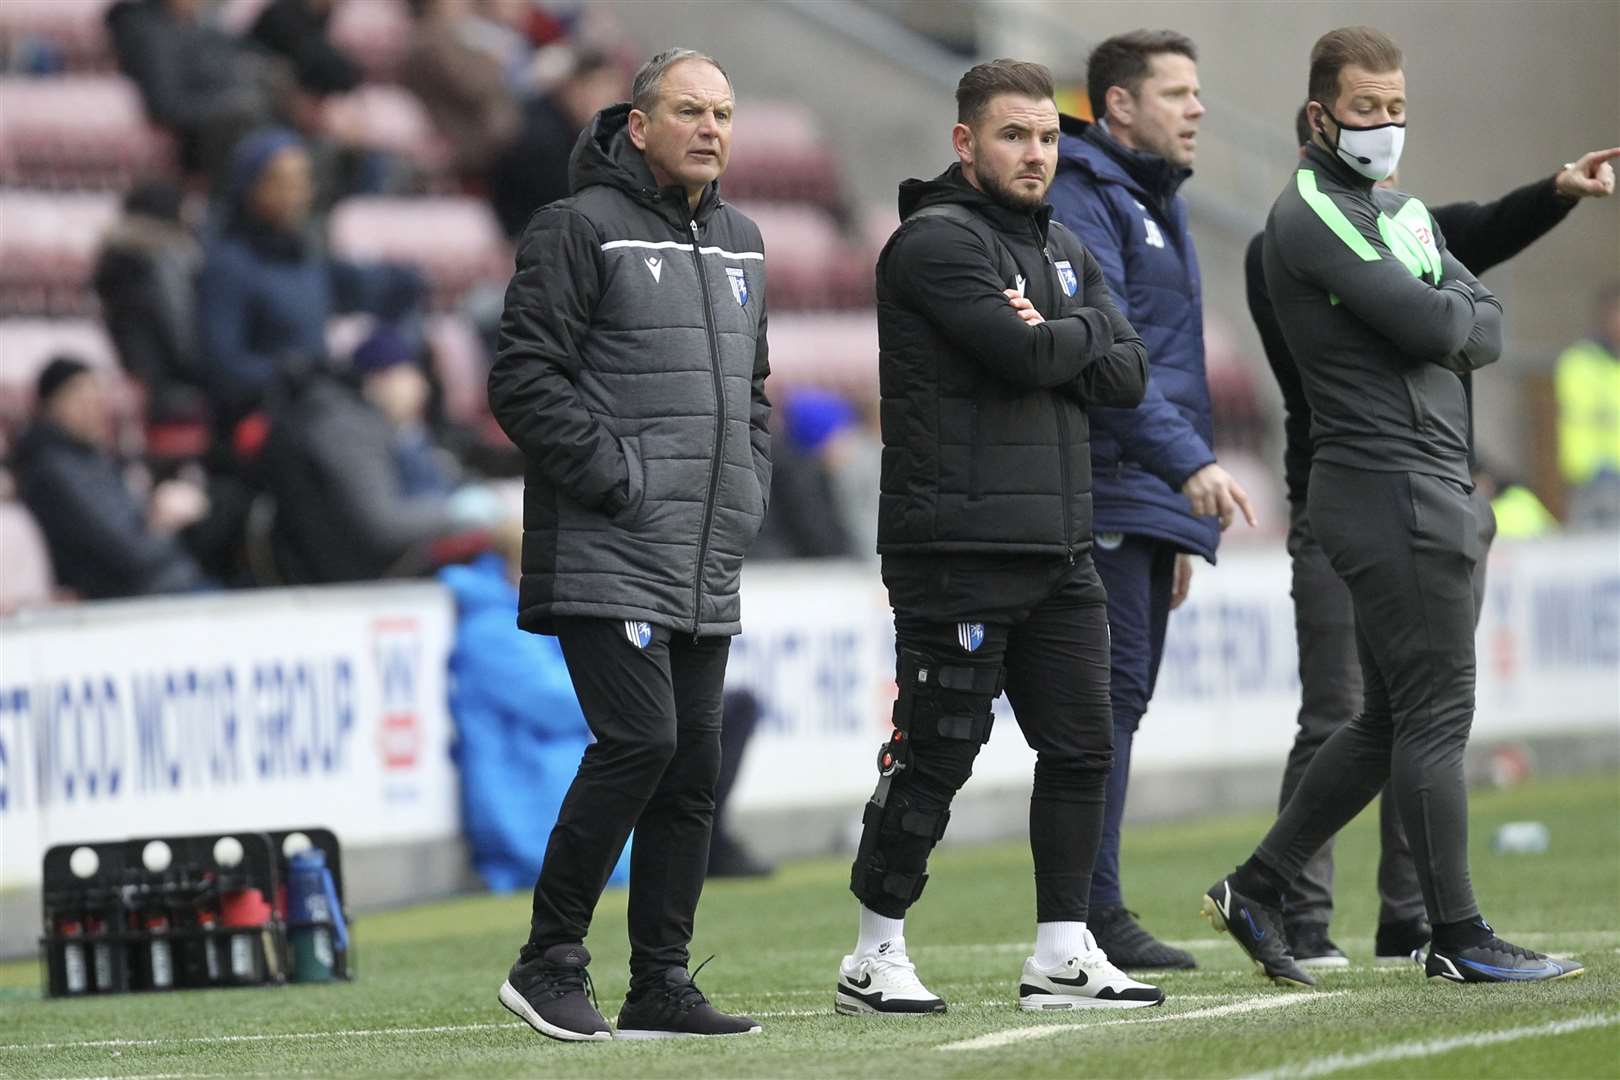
1407 546
654 709
1330 695
965 628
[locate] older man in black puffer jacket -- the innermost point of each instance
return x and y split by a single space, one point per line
631 373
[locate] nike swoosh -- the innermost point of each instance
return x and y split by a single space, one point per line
1079 980
862 983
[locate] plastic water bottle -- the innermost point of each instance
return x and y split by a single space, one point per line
315 926
1521 838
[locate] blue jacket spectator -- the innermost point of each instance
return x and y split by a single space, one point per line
520 731
268 288
1124 206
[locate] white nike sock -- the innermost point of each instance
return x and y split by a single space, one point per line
1056 942
876 930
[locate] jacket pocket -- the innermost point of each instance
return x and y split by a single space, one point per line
974 485
1415 403
637 492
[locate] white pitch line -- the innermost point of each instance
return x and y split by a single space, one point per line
783 1014
1333 1063
1046 1031
351 1033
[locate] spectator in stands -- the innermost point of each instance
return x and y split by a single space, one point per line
146 279
1588 383
534 171
103 542
296 31
196 80
806 518
268 287
462 85
361 493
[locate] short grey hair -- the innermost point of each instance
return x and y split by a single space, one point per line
650 79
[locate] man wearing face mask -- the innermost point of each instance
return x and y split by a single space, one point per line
1161 499
1481 237
997 337
1382 320
631 373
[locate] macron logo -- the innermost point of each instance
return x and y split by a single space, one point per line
656 265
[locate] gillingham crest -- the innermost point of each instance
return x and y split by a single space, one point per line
739 284
638 633
970 635
1065 271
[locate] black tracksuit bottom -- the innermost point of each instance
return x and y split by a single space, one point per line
967 626
1330 695
1407 546
654 707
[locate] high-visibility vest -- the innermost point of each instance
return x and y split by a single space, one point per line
1588 412
1519 514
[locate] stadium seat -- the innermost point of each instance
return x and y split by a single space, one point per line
389 118
27 580
36 35
377 33
48 245
778 153
811 266
77 132
455 240
462 365
836 351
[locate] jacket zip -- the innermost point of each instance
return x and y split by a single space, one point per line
719 431
1062 425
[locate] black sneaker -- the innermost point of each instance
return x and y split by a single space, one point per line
1312 948
673 1007
1496 960
1129 946
1257 930
1400 943
548 992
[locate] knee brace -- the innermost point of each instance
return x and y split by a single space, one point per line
937 702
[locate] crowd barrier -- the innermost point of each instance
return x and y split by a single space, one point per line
246 711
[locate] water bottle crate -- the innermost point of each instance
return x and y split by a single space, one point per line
192 912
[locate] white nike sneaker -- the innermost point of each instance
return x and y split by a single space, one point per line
885 984
1083 982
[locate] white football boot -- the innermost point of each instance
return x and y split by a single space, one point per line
1083 982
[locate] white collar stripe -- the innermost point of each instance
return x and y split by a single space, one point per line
676 245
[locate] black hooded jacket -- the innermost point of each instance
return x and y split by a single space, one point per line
631 373
985 436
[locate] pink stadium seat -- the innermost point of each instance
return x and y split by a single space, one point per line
779 153
377 33
455 240
25 573
462 365
388 118
810 264
48 245
71 28
77 132
837 351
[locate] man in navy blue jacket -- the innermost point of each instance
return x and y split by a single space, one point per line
1159 497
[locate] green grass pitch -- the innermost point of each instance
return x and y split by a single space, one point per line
425 1001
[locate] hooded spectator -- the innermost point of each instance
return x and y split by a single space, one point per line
295 30
146 279
268 286
103 542
360 492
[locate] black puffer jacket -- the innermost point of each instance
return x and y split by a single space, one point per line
985 436
631 373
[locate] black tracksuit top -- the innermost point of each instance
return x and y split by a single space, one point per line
1381 319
